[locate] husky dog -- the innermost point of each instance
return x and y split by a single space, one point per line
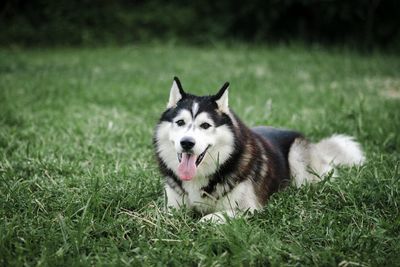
215 164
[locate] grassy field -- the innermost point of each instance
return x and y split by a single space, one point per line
80 186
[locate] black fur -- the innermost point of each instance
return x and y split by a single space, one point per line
221 91
280 138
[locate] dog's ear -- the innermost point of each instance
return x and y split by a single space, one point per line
176 93
221 98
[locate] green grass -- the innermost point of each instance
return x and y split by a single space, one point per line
79 182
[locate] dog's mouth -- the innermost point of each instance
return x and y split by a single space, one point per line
198 158
188 164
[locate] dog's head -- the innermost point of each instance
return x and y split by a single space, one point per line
195 134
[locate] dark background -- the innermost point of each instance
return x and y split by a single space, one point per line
358 23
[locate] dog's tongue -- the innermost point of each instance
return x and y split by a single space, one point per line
187 167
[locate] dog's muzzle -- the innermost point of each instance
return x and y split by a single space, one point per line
188 163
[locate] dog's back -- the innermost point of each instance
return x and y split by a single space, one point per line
279 138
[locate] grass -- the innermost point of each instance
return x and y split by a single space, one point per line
79 182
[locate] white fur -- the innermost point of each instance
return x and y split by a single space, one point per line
174 95
340 150
174 200
195 108
222 102
311 162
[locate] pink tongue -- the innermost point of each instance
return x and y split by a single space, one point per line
187 166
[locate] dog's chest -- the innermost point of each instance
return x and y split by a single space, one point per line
240 196
196 197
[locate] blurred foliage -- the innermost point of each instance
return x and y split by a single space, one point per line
364 23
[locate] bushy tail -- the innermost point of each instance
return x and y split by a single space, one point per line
310 162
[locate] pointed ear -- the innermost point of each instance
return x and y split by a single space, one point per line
176 93
221 98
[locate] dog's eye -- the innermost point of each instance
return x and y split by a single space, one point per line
205 125
180 122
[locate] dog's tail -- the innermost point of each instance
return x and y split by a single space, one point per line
310 162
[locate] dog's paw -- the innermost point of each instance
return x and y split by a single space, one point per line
217 217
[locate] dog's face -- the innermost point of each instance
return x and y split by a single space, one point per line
195 134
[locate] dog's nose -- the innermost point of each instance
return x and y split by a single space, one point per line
187 143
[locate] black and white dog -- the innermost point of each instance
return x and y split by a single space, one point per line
218 166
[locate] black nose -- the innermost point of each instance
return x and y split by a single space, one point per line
187 143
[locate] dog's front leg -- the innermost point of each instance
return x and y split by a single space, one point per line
174 200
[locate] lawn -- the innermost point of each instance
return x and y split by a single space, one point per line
80 185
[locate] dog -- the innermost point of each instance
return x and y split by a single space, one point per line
215 164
